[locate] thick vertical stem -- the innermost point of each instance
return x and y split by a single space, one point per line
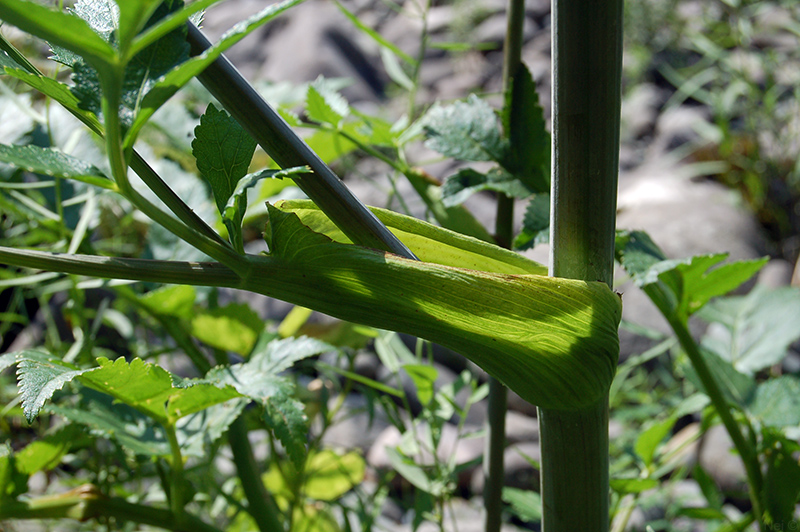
587 59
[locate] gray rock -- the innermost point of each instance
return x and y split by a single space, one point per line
776 273
719 461
518 471
354 427
639 111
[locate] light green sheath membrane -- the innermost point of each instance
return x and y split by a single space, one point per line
553 341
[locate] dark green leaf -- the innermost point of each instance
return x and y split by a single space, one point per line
287 419
223 150
458 187
633 485
179 76
777 402
234 327
59 28
781 481
325 105
54 163
40 376
535 224
141 73
467 131
526 505
106 418
12 482
649 439
528 157
133 14
46 453
705 514
754 331
709 488
737 387
636 252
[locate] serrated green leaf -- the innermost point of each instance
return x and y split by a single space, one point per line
464 183
287 419
528 156
525 504
535 224
54 163
62 29
467 131
197 432
192 12
428 242
223 150
424 378
325 106
40 375
141 72
777 402
649 439
534 333
179 76
234 327
637 252
12 482
152 390
329 475
633 485
754 331
46 453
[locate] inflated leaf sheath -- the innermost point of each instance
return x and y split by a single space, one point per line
553 341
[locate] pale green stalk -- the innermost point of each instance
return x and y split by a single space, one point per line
587 59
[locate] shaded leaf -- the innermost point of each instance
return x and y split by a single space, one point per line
535 224
754 331
460 186
467 131
287 419
781 482
54 163
737 388
46 453
525 504
12 482
777 402
636 252
649 439
528 157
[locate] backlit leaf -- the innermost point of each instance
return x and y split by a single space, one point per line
329 475
633 485
525 504
45 453
234 327
649 439
12 481
325 105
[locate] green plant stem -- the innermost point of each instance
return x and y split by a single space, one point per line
111 88
755 480
288 150
260 504
87 502
587 65
176 501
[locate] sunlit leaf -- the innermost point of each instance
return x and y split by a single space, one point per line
329 475
49 161
467 131
234 327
